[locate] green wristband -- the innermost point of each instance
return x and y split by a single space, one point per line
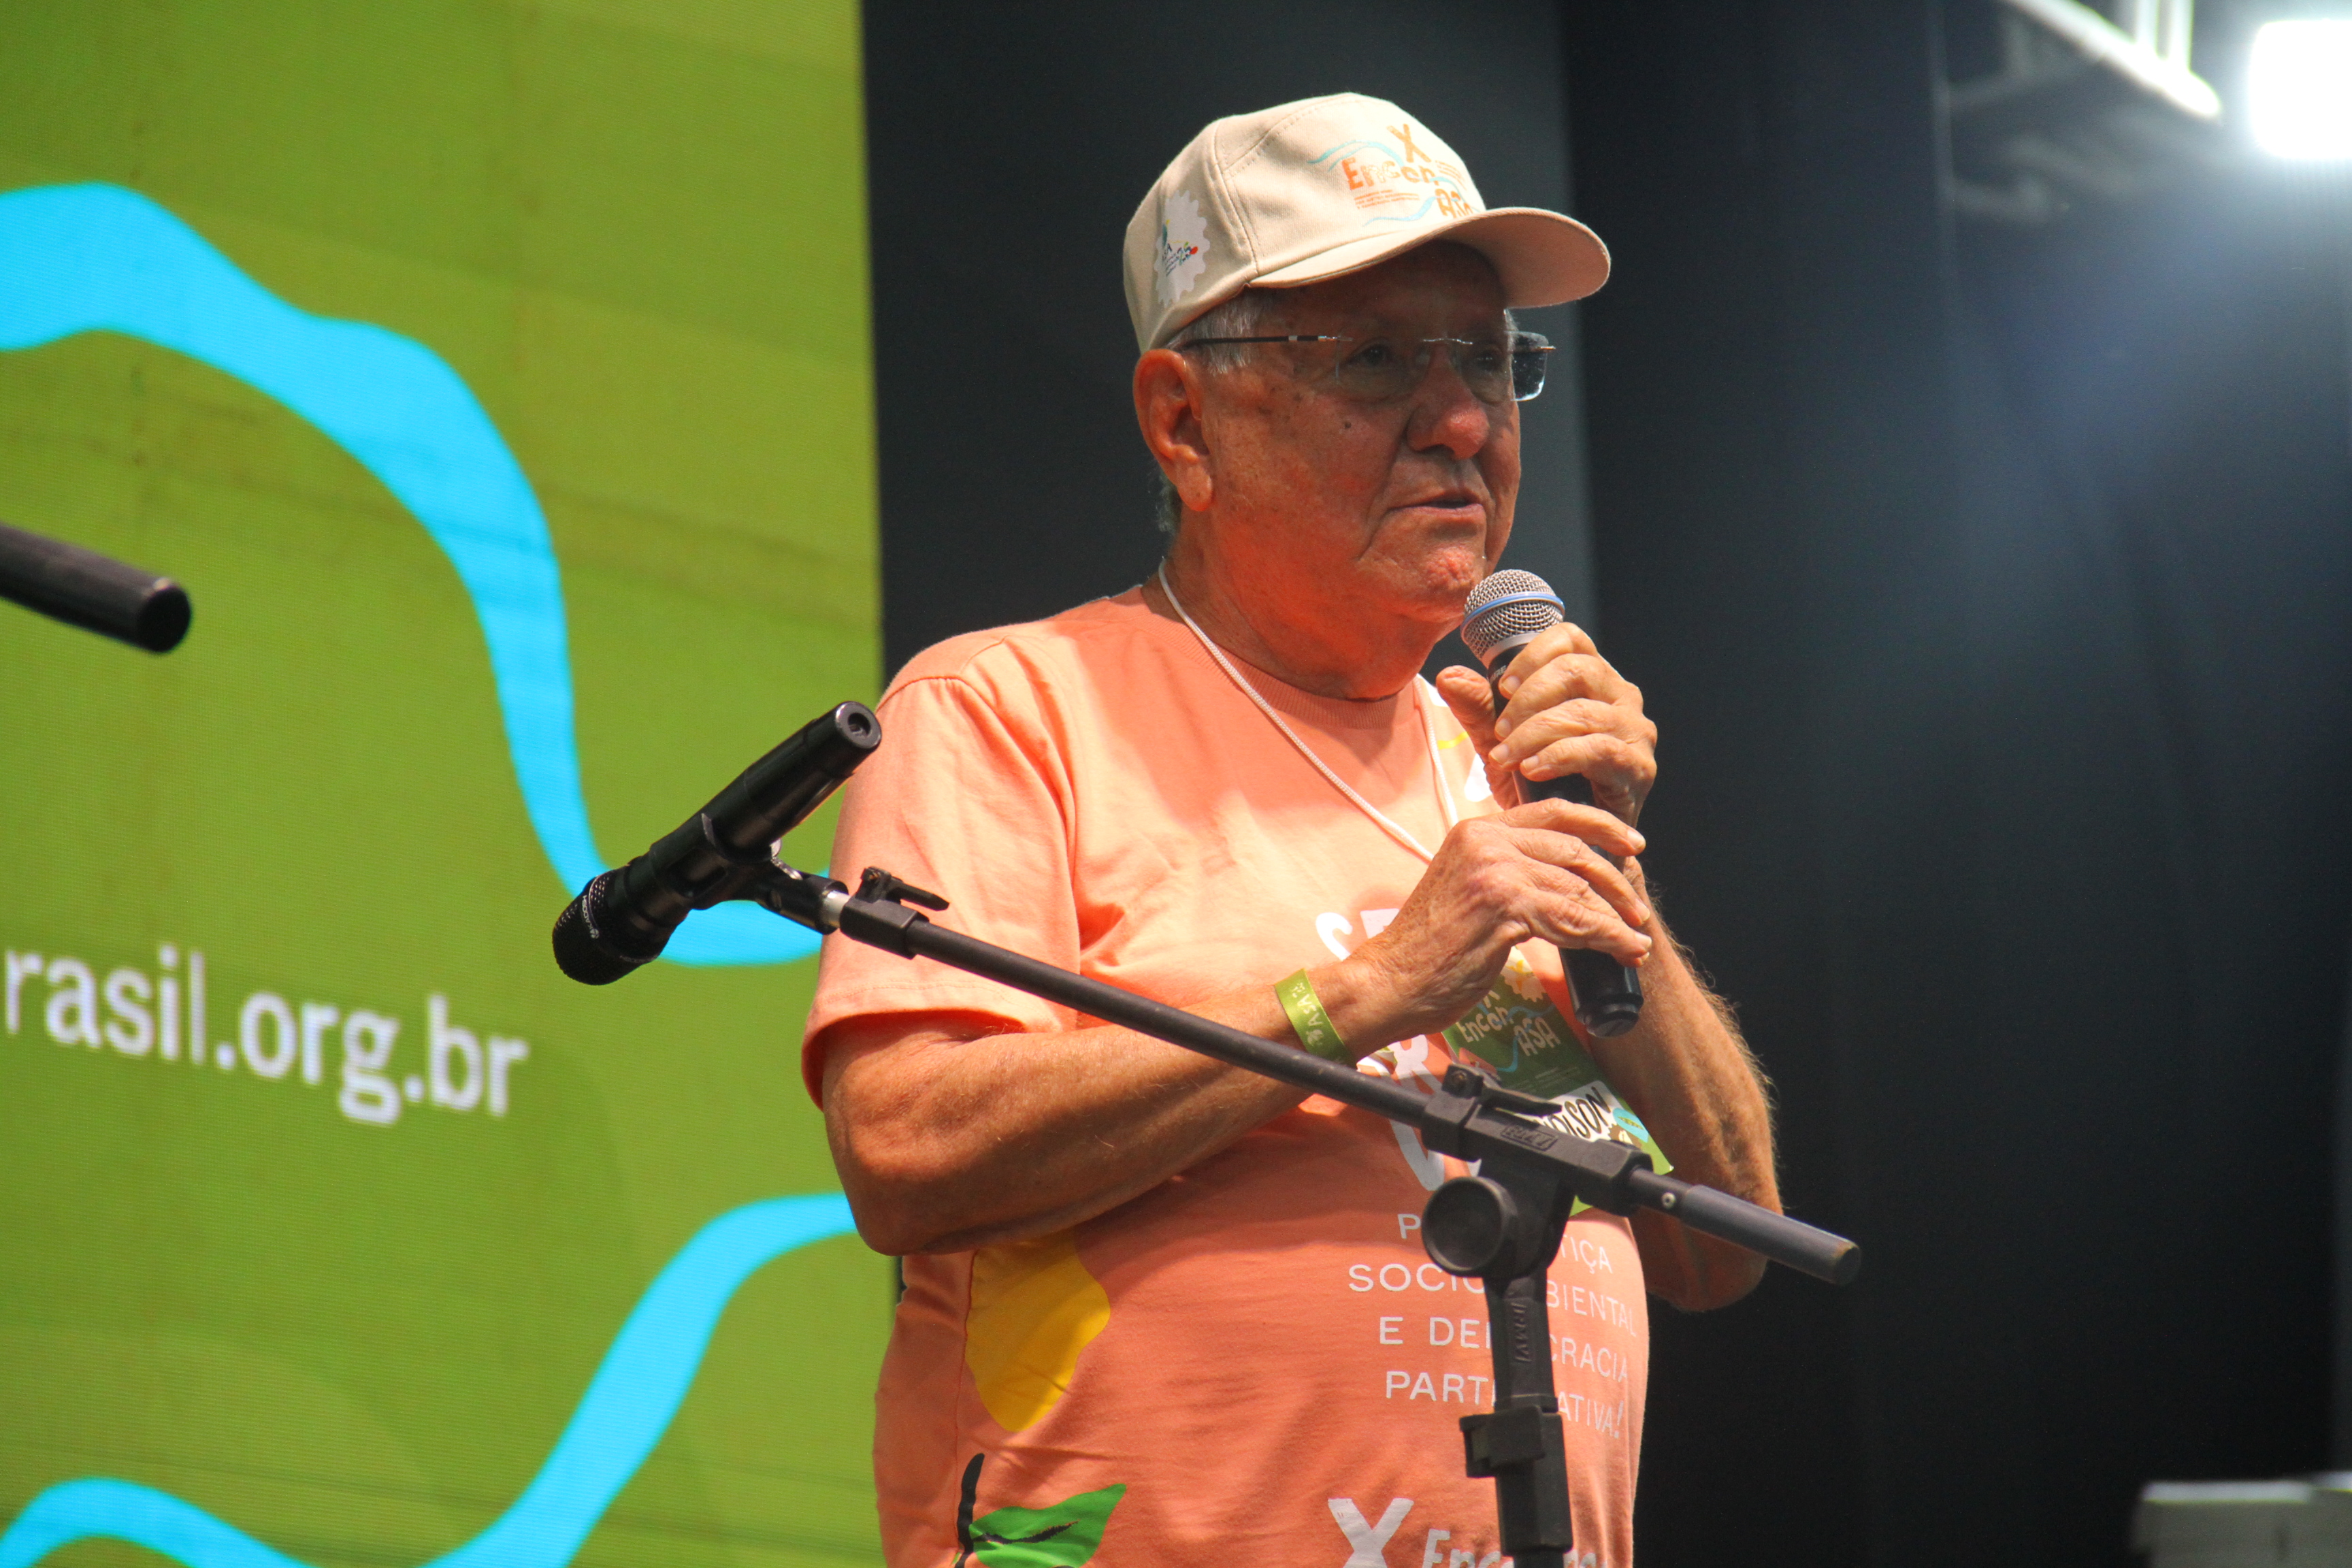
1314 1025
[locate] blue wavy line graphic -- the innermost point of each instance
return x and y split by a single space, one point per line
637 1390
99 257
1342 149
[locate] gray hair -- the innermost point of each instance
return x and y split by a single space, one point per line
1241 316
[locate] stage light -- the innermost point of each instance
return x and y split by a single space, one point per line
2299 86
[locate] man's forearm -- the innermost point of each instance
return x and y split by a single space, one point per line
1687 1074
947 1138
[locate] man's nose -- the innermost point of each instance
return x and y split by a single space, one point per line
1447 414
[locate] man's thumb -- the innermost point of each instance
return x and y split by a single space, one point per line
1466 693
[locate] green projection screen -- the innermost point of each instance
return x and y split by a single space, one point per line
497 378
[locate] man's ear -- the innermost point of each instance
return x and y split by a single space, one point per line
1167 406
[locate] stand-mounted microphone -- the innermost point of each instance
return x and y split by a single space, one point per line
623 919
83 588
1504 613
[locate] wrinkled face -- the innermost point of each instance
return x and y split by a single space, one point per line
1398 503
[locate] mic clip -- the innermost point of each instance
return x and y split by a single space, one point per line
1463 1095
820 903
877 884
754 855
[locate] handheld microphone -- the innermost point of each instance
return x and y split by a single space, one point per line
1504 613
622 919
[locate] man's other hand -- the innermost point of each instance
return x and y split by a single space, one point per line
1569 712
1544 871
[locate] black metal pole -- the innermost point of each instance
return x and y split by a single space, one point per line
1513 1218
1606 1175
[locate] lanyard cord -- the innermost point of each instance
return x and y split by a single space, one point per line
1388 824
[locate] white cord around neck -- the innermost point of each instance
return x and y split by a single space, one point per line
1436 768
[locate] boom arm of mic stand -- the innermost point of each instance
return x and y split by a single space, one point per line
1607 1175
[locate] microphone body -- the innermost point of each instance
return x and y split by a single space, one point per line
622 919
97 593
1504 613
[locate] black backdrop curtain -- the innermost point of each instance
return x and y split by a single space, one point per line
1990 589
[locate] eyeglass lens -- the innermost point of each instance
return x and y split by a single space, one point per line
1531 357
1380 369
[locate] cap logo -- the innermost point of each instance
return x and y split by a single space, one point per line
1183 246
1398 184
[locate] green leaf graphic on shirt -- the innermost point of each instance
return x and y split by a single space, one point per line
1062 1536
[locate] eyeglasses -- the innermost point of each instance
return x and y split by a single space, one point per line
1378 370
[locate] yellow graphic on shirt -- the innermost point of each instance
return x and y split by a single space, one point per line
1520 976
1033 1309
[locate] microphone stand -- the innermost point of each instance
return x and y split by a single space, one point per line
1502 1226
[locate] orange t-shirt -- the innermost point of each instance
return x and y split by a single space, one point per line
1253 1362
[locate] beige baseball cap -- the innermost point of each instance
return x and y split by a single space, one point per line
1311 190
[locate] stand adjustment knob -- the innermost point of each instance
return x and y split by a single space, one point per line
1472 1226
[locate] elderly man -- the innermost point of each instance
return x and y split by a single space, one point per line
1155 1305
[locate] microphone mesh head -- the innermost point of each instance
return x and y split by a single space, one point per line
1508 607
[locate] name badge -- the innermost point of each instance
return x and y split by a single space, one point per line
1518 1033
